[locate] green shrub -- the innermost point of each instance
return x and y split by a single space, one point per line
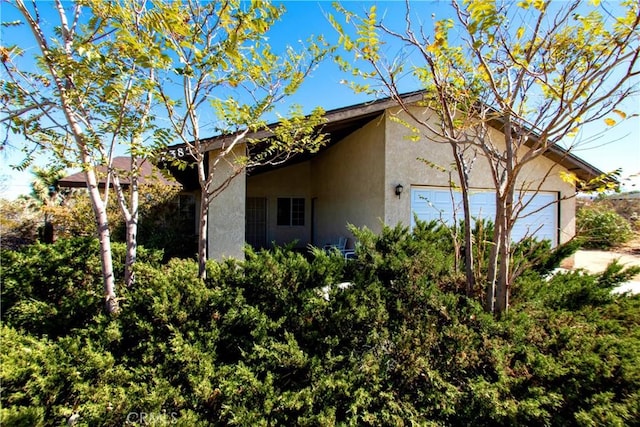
273 340
52 289
602 228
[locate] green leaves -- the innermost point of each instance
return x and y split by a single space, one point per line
368 35
257 343
90 71
600 227
294 134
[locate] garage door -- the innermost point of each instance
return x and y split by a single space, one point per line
540 218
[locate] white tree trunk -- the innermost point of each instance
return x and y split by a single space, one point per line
132 230
104 237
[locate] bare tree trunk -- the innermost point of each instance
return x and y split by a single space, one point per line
463 176
503 279
202 234
104 237
457 250
490 296
494 256
498 286
469 267
132 226
100 212
130 215
132 251
62 82
503 285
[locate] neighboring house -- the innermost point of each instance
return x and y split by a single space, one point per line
369 174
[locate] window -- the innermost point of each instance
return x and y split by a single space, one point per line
290 211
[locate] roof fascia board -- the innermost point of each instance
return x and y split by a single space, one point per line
331 116
556 153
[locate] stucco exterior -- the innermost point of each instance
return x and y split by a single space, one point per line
294 182
344 181
226 219
353 181
403 167
348 183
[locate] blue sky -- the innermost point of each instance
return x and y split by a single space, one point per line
618 147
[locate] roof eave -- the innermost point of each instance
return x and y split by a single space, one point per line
356 113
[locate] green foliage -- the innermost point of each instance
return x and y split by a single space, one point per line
163 223
602 228
285 338
48 289
576 290
400 254
531 255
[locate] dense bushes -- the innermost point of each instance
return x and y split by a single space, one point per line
288 339
51 289
601 227
166 220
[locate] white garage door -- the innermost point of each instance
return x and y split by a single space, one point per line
540 218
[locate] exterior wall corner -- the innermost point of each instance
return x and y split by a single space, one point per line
226 230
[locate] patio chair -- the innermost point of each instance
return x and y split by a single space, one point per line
341 246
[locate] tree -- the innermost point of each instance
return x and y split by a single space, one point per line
131 120
539 71
105 73
84 98
223 69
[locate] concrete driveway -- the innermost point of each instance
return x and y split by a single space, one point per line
596 261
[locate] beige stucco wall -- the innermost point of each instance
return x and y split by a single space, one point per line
292 181
403 167
227 211
343 182
355 180
348 182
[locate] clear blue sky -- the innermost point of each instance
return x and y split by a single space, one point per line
619 147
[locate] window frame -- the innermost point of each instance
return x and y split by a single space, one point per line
295 215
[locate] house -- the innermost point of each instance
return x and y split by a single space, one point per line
368 174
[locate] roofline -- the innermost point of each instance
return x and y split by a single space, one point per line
576 163
331 116
153 174
368 107
564 157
